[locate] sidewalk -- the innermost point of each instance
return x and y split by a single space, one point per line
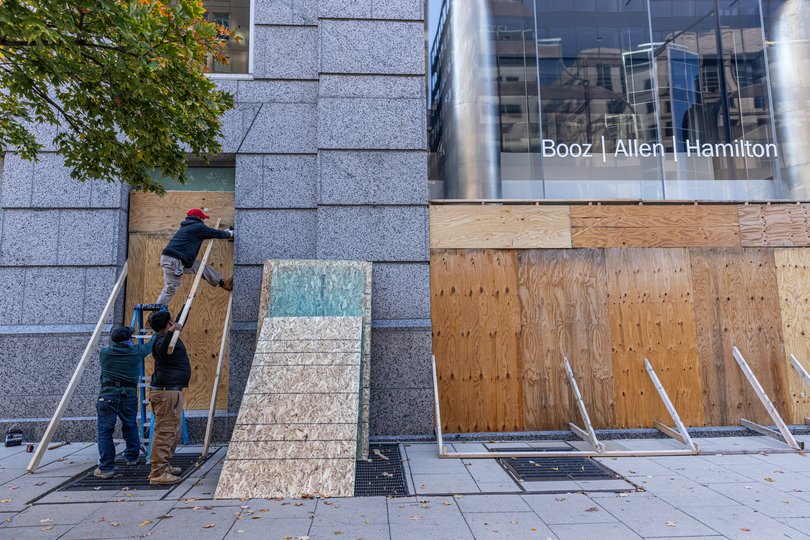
760 496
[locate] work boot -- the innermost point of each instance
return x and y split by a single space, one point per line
104 475
226 284
166 478
175 470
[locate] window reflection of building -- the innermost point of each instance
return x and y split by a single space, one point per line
233 15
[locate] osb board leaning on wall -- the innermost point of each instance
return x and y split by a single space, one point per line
152 222
683 306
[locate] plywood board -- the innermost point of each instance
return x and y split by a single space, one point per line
651 315
736 303
793 277
150 213
475 310
203 330
499 227
654 226
775 225
564 311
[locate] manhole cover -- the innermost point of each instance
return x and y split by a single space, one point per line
544 469
382 475
130 476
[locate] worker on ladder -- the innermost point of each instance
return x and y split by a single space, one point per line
180 255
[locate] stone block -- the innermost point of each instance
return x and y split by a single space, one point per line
89 237
286 52
52 186
371 86
392 233
411 10
246 293
290 12
373 177
242 349
235 125
18 175
29 238
249 175
372 123
11 295
399 9
277 181
378 47
283 129
401 411
277 92
401 291
401 358
109 195
98 286
53 295
275 234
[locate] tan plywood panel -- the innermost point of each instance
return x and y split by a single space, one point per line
651 314
499 227
564 311
654 226
737 303
150 213
775 225
476 339
793 277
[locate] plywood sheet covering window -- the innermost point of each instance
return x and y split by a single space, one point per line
476 339
564 311
499 227
736 302
651 315
654 226
793 276
775 225
153 220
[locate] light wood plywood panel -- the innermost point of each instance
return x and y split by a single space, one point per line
150 213
564 311
476 339
654 226
736 303
793 277
775 225
202 333
651 314
499 227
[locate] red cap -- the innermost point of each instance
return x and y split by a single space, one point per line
196 212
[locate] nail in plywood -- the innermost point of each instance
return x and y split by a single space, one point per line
775 225
654 226
476 339
651 314
564 311
793 277
736 302
499 227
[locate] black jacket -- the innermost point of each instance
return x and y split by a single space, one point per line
170 369
186 242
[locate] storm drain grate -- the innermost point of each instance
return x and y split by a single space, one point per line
382 474
130 476
543 469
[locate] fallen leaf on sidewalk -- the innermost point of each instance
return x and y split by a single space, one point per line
338 532
240 531
415 518
299 503
592 509
48 528
144 523
670 523
165 516
745 529
458 496
46 520
208 526
115 523
769 479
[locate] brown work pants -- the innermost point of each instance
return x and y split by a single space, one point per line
168 408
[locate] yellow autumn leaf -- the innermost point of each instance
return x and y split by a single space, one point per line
144 523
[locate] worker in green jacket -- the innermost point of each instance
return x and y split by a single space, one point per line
118 398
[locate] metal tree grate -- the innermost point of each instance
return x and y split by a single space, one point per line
542 469
131 476
380 476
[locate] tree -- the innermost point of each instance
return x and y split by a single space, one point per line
123 79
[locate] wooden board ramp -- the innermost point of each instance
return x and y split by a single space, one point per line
297 429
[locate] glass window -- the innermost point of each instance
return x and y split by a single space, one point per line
234 15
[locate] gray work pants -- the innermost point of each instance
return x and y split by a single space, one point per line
173 271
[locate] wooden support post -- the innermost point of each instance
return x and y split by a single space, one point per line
77 373
683 435
588 434
800 368
439 440
786 435
193 292
209 426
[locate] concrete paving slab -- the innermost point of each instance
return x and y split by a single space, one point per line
492 503
468 447
446 483
649 516
512 525
791 462
605 485
551 486
42 515
602 531
261 530
283 509
64 497
486 470
800 524
651 444
71 466
745 524
499 487
24 489
609 445
684 493
738 444
424 448
634 466
732 459
426 464
700 470
765 499
211 523
44 532
362 517
120 520
568 509
438 518
11 450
